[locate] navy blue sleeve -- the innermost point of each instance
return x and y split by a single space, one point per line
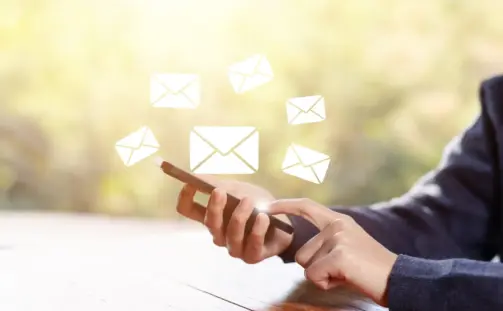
450 284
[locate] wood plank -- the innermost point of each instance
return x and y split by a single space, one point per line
67 262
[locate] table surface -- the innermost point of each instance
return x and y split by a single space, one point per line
58 262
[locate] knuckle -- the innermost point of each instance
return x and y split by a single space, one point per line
246 204
241 220
236 242
339 238
245 200
306 201
240 215
338 252
238 220
341 223
301 258
255 238
334 226
254 249
347 220
214 209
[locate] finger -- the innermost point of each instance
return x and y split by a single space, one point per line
317 214
214 216
324 272
236 229
186 206
323 251
254 245
304 255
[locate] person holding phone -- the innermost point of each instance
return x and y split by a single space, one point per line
429 249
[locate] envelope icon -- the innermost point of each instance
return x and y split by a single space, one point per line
306 163
170 90
224 150
307 109
137 146
250 73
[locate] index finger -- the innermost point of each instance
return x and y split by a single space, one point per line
317 214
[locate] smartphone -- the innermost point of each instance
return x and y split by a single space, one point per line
232 202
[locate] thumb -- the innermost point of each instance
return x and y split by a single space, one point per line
317 214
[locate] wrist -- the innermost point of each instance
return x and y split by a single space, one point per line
387 268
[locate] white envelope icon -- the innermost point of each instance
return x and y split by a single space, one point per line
250 73
306 164
170 90
307 109
137 146
224 150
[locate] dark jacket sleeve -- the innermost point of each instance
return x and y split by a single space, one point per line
439 228
418 284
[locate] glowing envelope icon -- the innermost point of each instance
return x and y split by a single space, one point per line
307 109
250 73
224 150
171 90
137 146
305 163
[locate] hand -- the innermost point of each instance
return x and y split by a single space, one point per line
342 252
262 242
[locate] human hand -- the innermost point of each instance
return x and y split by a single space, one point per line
343 252
263 241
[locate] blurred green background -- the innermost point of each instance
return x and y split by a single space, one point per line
400 79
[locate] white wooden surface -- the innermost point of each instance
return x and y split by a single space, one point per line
58 262
64 262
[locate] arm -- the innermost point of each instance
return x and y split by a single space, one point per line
446 214
448 284
451 212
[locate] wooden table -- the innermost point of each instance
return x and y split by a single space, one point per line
54 262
